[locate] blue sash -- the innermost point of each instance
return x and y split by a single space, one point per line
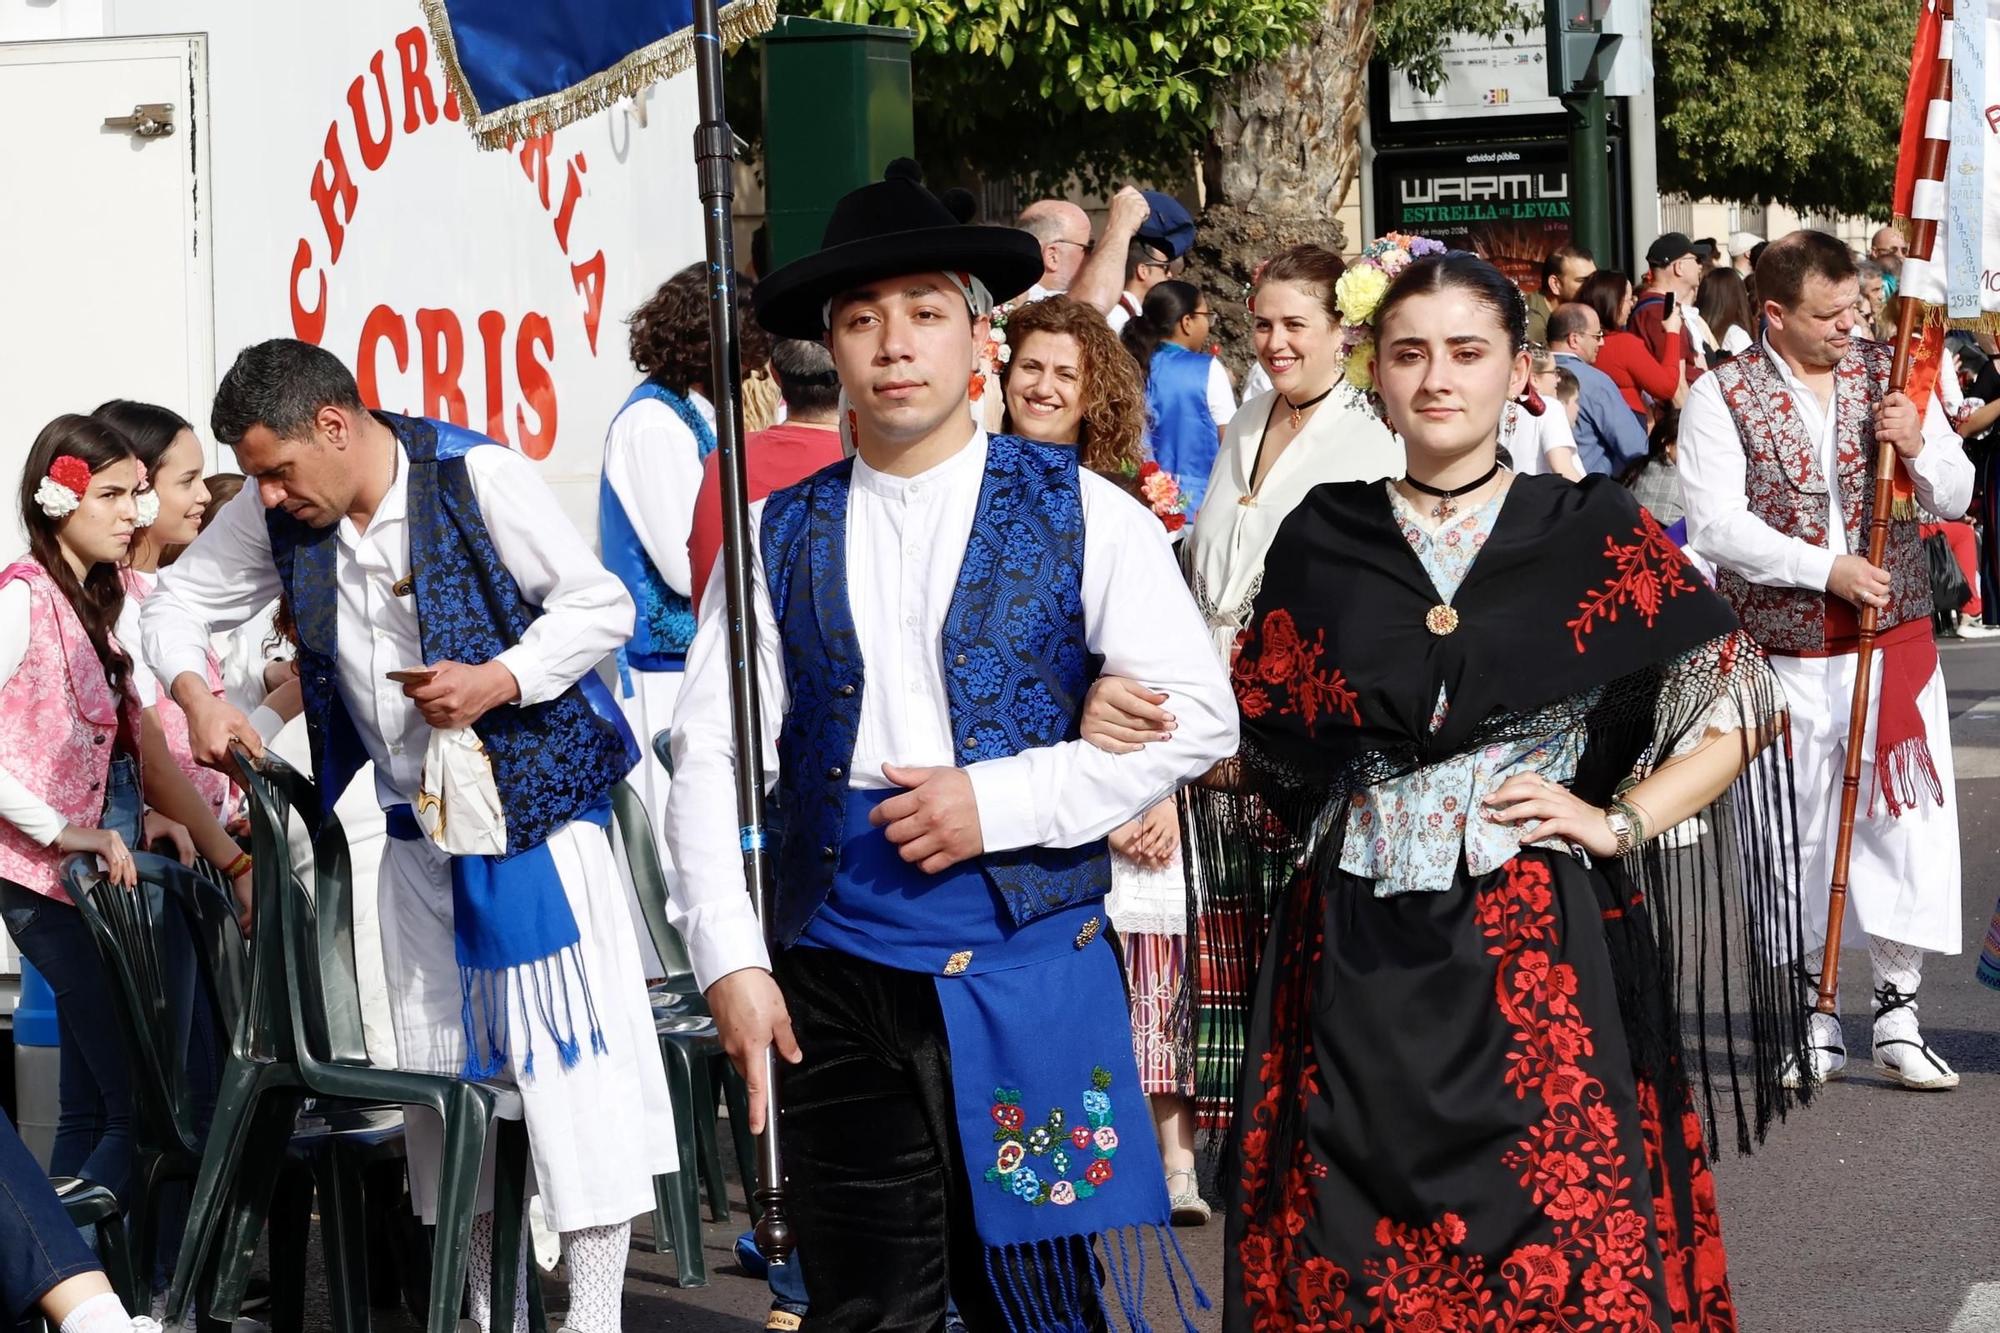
1058 1137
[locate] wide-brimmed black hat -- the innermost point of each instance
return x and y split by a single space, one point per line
892 227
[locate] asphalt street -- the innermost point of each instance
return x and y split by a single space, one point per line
1877 1209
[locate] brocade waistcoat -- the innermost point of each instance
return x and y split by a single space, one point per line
664 624
1788 491
551 761
1014 656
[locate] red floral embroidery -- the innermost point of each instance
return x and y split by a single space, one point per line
1696 1266
1589 1276
1285 670
1649 571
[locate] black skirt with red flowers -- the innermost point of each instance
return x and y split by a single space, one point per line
1482 1132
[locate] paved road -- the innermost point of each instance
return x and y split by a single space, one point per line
1876 1210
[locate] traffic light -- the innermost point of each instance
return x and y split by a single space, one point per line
1580 50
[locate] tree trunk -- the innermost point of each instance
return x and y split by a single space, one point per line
1283 155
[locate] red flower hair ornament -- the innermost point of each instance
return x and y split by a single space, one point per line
63 489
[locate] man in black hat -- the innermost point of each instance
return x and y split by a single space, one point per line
1665 315
930 614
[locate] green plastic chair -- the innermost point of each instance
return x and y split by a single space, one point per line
690 1049
89 1204
299 1037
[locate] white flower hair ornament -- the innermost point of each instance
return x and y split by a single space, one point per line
147 502
1359 294
63 489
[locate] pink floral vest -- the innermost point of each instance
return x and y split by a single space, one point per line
215 787
58 727
1788 491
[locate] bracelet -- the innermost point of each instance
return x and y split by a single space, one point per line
237 868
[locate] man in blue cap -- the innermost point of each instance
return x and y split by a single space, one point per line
1146 241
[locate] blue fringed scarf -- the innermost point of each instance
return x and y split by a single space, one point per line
1057 1134
512 925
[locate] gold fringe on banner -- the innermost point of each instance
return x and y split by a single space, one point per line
740 21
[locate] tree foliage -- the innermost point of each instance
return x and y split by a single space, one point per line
1794 101
1100 90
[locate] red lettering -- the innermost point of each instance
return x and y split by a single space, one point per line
536 385
535 163
332 184
443 346
450 99
588 278
1993 119
374 150
382 325
492 331
310 325
415 52
572 191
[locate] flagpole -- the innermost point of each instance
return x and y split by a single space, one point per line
715 157
1922 240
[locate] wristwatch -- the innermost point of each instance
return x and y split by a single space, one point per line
1621 828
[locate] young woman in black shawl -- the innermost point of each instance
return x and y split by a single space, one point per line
1470 702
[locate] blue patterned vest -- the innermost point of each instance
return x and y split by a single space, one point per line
551 761
665 624
1180 429
1015 662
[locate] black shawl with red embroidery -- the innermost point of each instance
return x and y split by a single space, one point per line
1578 614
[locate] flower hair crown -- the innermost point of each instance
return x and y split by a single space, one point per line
1359 294
68 481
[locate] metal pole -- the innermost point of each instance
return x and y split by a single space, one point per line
1589 171
715 157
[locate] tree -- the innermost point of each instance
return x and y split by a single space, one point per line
1797 101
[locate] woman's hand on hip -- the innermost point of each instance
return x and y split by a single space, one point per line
1557 813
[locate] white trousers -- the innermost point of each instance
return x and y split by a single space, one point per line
598 1132
1903 875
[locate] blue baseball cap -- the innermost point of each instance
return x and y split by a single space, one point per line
1169 226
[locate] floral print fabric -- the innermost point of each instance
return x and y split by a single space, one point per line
1407 834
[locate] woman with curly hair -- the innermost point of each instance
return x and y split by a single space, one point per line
1068 380
645 506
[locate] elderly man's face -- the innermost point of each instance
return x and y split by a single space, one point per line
1888 249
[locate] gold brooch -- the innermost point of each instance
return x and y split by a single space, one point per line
958 962
1441 620
1089 931
403 587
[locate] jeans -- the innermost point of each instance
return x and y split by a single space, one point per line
39 1249
878 1196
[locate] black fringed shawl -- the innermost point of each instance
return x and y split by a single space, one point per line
1579 614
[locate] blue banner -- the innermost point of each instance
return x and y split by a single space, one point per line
524 67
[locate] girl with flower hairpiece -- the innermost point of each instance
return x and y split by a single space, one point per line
68 778
1469 701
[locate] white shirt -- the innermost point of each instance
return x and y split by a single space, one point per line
1713 471
1736 341
906 538
1527 438
1221 398
227 576
1256 381
1698 331
1343 440
654 467
22 808
1121 314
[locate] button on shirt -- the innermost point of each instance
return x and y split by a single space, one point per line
906 539
1713 471
228 576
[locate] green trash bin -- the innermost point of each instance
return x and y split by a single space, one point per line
836 112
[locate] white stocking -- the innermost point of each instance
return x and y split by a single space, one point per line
597 1277
1899 968
479 1277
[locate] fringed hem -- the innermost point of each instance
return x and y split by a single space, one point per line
1037 1287
1986 321
671 55
1904 774
542 988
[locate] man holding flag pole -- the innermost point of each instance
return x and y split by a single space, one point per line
1776 453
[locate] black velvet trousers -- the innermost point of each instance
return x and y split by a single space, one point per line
875 1183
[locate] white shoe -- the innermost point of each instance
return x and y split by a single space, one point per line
1825 1054
145 1324
1977 629
1901 1051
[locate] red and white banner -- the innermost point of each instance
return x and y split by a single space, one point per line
1948 173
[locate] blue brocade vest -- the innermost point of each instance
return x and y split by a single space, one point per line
1016 666
1180 429
664 626
552 761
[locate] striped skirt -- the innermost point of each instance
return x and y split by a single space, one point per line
1155 966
